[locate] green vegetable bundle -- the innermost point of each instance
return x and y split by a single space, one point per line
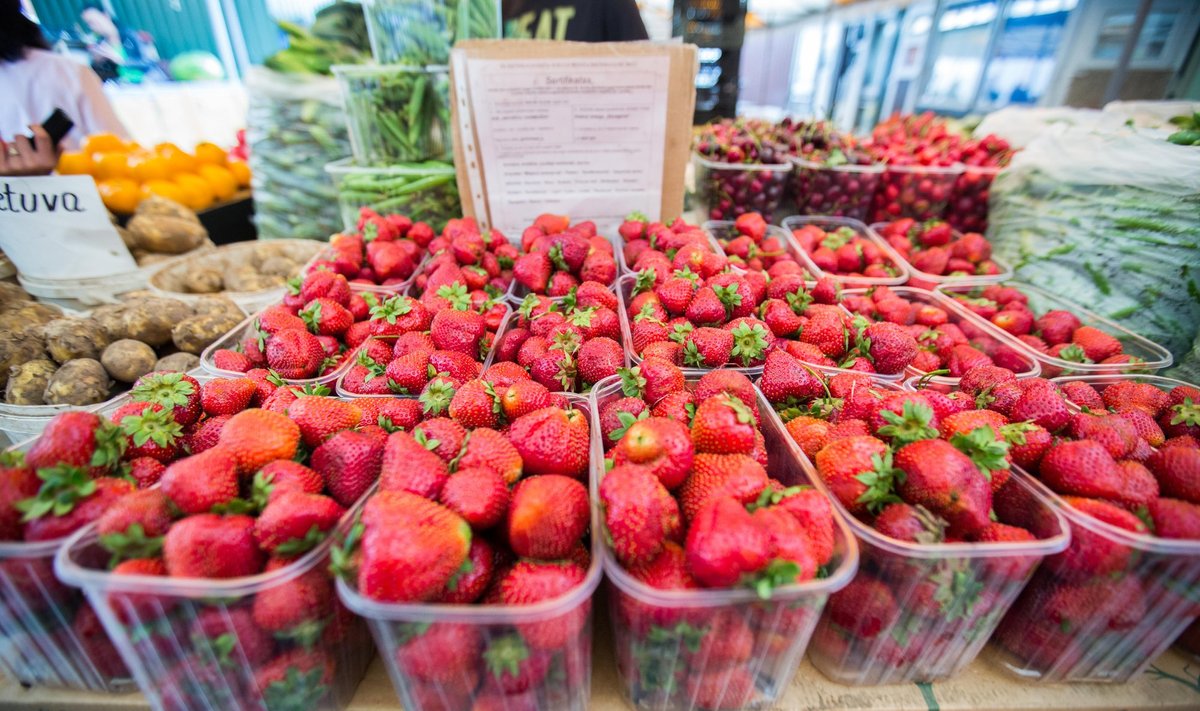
1108 220
396 114
294 127
424 191
421 32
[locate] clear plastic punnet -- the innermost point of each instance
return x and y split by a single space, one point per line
663 660
724 230
726 190
233 340
923 612
1004 350
1146 355
925 280
195 643
381 290
426 191
921 192
396 114
624 267
566 683
892 260
835 190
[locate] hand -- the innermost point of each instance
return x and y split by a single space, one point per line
20 157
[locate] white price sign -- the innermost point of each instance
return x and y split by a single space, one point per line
56 227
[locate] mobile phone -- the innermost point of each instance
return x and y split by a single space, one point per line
57 126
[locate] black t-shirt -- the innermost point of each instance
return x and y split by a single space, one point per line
579 21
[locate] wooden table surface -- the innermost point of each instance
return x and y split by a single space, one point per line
1173 682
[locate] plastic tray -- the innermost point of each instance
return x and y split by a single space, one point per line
233 339
925 280
1134 611
981 334
834 190
905 184
624 267
568 681
714 181
832 223
383 290
947 598
510 321
420 32
968 210
426 192
1154 356
724 229
781 626
153 622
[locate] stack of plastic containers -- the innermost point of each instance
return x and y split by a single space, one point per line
398 110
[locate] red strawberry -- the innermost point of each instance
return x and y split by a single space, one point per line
529 582
1083 395
533 271
546 516
915 524
552 441
78 439
598 359
458 331
1138 485
134 525
719 475
318 417
522 397
1096 344
283 475
349 462
230 635
1027 443
294 522
411 547
475 404
227 396
1041 404
1175 519
1178 472
725 543
326 317
1081 468
152 432
946 482
859 472
865 607
480 495
786 377
724 425
890 347
212 546
198 483
225 359
295 354
707 348
639 514
295 608
664 446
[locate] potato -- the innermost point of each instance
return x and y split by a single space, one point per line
29 313
12 295
216 305
181 362
20 346
82 381
203 281
193 335
166 235
127 360
72 338
278 266
151 320
127 237
156 205
27 382
108 317
149 259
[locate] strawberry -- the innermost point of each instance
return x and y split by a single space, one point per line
440 652
399 315
1175 519
1027 443
1096 344
810 433
664 446
475 404
1092 553
1130 395
731 687
529 582
715 475
640 515
547 515
946 481
723 425
533 271
784 377
724 544
78 439
512 672
458 331
294 609
320 283
1041 404
1081 468
255 437
134 525
211 546
295 354
411 547
67 500
227 396
652 380
616 416
294 522
594 294
349 462
522 397
198 483
1083 395
707 348
865 607
826 331
599 358
1144 427
298 678
915 524
478 494
17 483
889 347
225 359
443 436
859 472
151 432
552 441
751 341
1182 417
326 317
1178 472
1138 485
318 418
283 475
230 635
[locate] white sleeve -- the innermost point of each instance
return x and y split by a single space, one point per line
94 112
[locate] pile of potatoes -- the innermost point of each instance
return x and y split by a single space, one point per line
161 229
47 358
243 267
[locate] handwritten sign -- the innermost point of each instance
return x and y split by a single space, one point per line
56 227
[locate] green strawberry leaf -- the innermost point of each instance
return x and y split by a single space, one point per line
749 343
881 481
133 543
295 546
632 382
504 655
306 634
911 425
297 691
341 557
626 419
235 506
1185 413
62 487
981 445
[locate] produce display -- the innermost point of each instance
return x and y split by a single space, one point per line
383 251
421 32
52 359
844 250
1189 130
568 345
557 256
396 114
249 487
428 189
719 569
472 523
1117 596
126 173
935 253
245 271
737 171
1064 338
646 244
928 478
946 340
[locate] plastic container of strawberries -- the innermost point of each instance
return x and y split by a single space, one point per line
1131 613
925 280
921 192
726 230
982 335
790 224
934 605
567 684
726 190
233 340
968 209
624 267
835 190
382 290
155 623
1153 357
657 665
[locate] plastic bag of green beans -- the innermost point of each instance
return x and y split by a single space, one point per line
420 32
426 192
